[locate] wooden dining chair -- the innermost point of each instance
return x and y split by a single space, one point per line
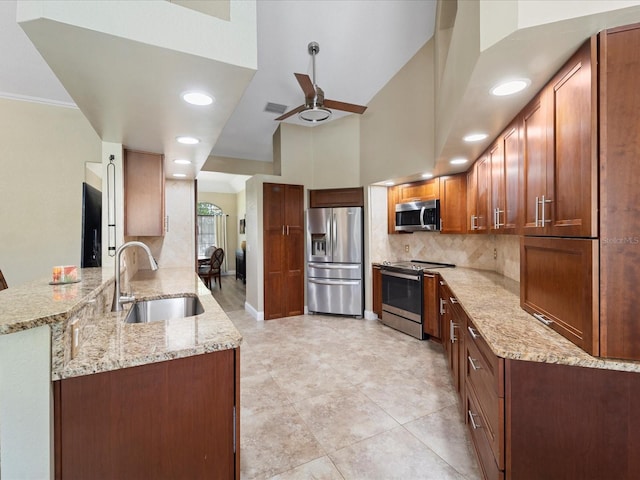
3 282
213 270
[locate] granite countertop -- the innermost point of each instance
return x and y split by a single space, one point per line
108 343
492 301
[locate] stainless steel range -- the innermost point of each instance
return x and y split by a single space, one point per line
402 294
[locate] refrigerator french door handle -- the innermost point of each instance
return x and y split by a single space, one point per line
332 266
334 234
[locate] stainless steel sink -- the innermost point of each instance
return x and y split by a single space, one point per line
145 311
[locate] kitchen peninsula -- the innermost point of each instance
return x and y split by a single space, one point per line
123 383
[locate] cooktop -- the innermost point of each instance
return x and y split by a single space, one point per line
417 265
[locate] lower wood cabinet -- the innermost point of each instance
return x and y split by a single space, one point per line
376 289
485 413
172 419
453 321
430 305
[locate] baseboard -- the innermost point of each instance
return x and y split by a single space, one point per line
370 315
259 316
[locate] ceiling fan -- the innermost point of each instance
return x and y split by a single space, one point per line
316 107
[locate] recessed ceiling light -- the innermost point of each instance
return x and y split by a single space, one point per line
187 140
458 161
180 175
182 161
510 87
427 175
475 137
388 183
197 98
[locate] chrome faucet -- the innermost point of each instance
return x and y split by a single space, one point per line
118 297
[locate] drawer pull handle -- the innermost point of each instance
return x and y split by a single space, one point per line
442 283
453 299
472 362
472 420
543 319
429 275
474 333
452 331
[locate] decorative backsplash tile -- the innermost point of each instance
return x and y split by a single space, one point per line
472 251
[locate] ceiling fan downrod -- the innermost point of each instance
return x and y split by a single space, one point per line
314 49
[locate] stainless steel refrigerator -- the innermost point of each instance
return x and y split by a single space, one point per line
334 260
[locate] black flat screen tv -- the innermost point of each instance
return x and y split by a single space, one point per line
91 226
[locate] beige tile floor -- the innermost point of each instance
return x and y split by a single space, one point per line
327 397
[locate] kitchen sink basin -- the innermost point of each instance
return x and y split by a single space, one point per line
145 311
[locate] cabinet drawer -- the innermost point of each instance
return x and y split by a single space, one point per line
480 385
481 442
492 372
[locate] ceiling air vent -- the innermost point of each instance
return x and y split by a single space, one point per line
275 108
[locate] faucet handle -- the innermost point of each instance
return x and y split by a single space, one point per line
127 298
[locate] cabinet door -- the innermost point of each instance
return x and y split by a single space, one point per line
483 173
418 191
620 192
472 199
431 316
512 169
534 148
294 250
392 199
497 194
376 288
559 286
283 213
453 203
274 250
572 165
143 194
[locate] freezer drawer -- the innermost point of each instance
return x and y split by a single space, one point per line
340 271
341 297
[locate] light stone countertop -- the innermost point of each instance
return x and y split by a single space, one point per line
108 343
492 301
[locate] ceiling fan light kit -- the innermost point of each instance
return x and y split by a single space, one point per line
315 108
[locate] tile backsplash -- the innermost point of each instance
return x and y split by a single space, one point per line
473 251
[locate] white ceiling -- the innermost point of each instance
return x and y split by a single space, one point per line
363 43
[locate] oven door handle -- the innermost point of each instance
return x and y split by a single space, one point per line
402 275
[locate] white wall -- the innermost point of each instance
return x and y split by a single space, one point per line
42 166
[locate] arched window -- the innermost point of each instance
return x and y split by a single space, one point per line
211 227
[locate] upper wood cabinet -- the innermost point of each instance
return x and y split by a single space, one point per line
453 203
478 188
560 152
143 194
559 286
419 191
337 197
283 223
504 160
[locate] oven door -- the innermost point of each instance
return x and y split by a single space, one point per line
402 294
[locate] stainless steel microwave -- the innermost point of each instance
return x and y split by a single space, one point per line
417 216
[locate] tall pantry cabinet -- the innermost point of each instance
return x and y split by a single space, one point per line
619 192
283 217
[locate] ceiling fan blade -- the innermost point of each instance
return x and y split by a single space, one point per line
306 84
345 107
292 112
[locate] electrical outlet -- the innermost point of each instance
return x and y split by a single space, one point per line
406 248
495 253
